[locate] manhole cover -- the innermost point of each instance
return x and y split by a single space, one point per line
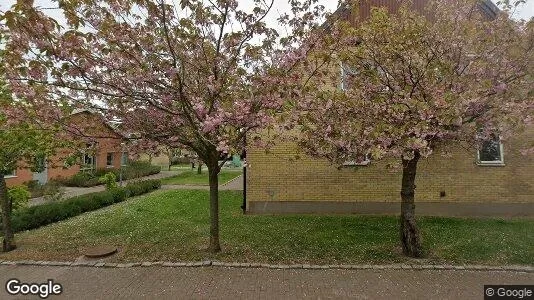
100 251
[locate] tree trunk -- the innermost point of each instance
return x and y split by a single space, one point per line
410 237
213 171
199 169
8 242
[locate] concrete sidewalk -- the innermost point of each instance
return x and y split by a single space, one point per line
258 283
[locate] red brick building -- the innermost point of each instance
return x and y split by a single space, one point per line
105 150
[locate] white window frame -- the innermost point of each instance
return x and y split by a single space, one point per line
86 167
12 175
352 163
124 159
497 163
93 165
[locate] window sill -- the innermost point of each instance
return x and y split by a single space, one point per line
10 176
490 164
354 164
110 167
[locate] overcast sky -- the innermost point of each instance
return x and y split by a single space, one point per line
525 11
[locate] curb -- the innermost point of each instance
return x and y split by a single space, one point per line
209 263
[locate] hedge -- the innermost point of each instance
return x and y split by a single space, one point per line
40 215
134 170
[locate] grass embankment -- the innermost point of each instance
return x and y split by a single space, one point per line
174 226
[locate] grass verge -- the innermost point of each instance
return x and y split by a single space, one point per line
174 226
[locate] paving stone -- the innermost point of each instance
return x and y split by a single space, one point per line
524 268
168 264
110 265
476 267
59 263
416 267
428 267
262 283
255 265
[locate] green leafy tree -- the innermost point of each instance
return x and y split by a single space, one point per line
23 142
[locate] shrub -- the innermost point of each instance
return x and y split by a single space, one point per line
135 169
119 194
19 196
40 215
109 180
53 191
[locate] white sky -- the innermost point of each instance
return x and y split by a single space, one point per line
525 11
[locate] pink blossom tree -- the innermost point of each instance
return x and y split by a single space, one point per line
25 141
200 75
413 86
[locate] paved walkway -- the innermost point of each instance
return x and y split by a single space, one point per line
77 191
235 185
251 283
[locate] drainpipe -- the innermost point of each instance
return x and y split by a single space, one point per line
244 206
244 158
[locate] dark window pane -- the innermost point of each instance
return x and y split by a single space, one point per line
491 151
109 159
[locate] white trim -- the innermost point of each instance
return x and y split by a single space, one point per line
350 163
124 162
12 175
493 163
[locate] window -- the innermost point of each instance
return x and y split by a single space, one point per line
88 158
491 153
109 160
351 163
89 162
12 173
347 71
124 159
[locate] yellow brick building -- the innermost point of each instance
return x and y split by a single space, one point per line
459 185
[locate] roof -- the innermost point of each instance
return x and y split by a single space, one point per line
106 123
344 11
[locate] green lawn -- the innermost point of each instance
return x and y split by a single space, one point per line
173 226
191 177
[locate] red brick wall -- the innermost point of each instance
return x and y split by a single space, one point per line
91 125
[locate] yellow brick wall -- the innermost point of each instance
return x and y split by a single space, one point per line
275 176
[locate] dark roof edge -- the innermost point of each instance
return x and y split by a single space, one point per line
489 8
